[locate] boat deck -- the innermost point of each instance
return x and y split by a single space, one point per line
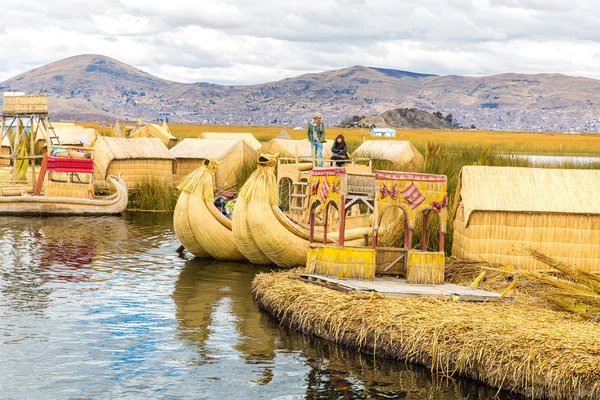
400 288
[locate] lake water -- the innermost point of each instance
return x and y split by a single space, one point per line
105 308
537 159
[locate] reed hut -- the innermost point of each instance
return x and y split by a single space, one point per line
233 156
503 210
246 137
69 135
400 152
287 148
155 131
137 159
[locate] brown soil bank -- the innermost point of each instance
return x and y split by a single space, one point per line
517 346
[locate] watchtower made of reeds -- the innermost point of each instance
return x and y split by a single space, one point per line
25 121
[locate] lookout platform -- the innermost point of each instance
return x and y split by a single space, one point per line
401 288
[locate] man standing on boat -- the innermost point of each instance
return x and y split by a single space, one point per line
316 135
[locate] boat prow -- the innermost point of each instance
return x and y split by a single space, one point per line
199 226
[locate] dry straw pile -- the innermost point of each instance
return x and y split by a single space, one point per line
520 346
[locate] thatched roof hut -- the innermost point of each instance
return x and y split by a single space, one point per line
155 131
136 159
233 156
400 152
503 210
246 137
287 148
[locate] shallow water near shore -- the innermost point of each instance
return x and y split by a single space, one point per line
105 308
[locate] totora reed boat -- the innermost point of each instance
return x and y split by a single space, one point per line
199 225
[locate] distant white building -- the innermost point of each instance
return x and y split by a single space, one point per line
383 132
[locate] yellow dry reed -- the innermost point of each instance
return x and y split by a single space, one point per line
342 262
518 346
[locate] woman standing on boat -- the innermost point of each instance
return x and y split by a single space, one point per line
340 150
316 135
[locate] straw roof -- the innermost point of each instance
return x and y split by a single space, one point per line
75 135
246 137
287 148
536 190
202 149
155 131
400 152
283 135
232 155
108 149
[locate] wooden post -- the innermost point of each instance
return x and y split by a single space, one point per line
40 179
424 235
15 150
342 220
32 151
441 241
311 219
325 224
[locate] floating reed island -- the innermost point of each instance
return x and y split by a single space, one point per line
528 346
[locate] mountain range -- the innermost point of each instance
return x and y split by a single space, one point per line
98 88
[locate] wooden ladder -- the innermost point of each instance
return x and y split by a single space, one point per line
298 200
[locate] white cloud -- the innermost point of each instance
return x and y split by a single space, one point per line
242 41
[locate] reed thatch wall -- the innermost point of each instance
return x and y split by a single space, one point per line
18 105
136 159
402 153
246 137
504 210
155 131
232 155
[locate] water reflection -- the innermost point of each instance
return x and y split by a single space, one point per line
105 308
214 299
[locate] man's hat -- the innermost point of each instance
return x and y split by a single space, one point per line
318 116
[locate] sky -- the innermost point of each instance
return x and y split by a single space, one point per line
256 41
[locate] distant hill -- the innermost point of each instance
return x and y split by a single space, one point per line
93 87
406 118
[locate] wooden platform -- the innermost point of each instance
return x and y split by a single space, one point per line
400 288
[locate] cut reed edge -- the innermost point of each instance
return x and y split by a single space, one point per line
449 337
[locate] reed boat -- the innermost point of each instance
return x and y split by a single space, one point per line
66 175
199 225
13 200
264 233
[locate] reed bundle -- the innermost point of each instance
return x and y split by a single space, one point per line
573 290
517 346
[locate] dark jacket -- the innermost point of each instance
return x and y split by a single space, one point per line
320 129
340 152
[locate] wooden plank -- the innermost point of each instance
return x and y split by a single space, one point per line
401 288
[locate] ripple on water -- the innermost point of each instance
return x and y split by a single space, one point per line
105 308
